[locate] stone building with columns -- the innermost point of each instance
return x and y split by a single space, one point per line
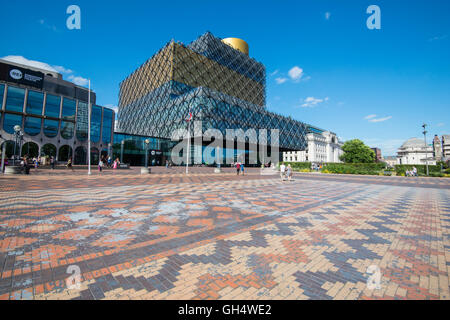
322 147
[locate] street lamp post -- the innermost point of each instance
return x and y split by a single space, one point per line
121 150
424 126
3 155
147 141
188 151
89 129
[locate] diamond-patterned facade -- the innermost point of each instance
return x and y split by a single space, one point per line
222 87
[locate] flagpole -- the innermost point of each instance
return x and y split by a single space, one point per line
89 130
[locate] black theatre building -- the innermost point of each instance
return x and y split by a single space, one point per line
52 114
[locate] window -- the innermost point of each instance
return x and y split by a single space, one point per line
2 92
82 121
107 125
10 121
67 129
15 99
51 128
68 109
32 126
96 118
35 102
52 106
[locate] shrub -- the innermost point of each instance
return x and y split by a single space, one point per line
297 166
421 169
436 174
354 168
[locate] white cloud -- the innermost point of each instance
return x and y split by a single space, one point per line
274 73
61 69
281 80
47 26
79 81
380 119
442 37
327 15
370 116
31 63
441 124
312 102
295 73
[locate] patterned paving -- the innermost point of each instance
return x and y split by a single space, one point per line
210 236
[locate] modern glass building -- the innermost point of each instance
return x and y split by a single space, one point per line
132 148
216 81
53 115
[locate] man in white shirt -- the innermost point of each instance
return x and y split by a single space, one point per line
282 171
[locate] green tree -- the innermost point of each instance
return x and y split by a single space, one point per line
355 151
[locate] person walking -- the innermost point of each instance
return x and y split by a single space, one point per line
243 169
52 162
24 165
100 165
69 164
109 161
238 168
289 172
282 171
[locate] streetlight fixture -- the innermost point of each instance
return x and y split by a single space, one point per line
424 126
147 141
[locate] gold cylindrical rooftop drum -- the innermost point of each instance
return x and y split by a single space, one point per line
237 44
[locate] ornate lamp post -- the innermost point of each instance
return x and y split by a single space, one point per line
18 136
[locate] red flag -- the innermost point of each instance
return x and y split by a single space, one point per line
189 118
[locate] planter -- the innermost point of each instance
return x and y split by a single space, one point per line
13 170
146 171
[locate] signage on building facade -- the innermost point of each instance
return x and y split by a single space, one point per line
25 76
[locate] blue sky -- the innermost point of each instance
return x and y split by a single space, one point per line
324 66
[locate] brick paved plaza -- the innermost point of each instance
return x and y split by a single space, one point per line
219 236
